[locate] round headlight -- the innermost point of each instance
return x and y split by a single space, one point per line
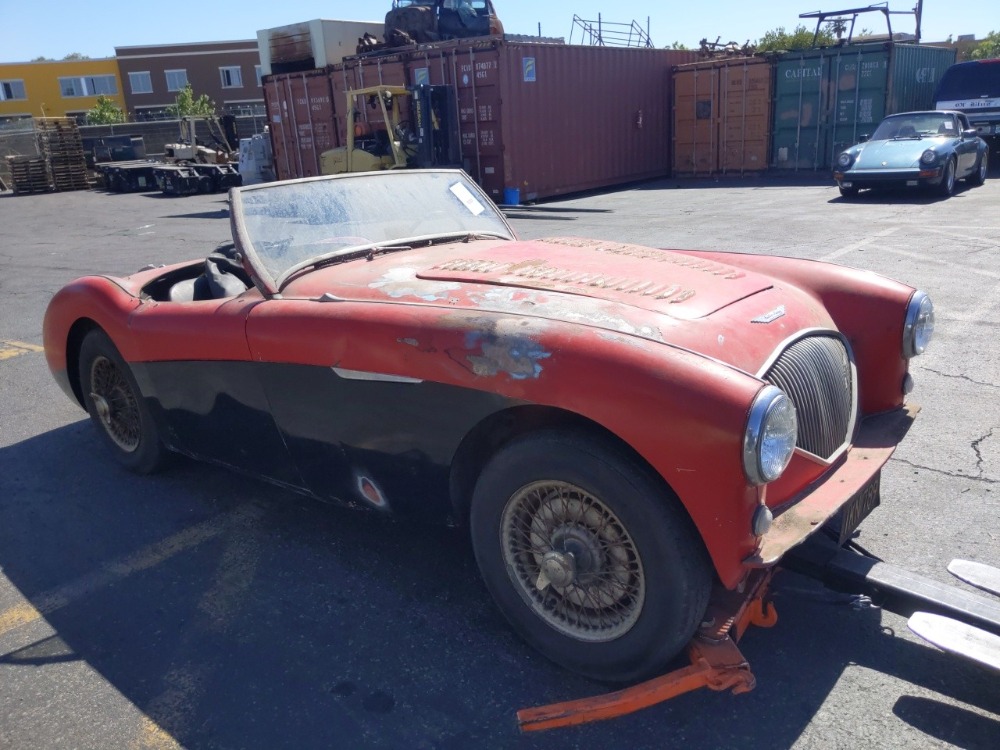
769 441
845 159
928 157
919 326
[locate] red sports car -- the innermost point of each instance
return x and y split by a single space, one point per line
626 431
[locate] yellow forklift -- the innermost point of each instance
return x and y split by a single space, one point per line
429 139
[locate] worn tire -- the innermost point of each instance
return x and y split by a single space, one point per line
982 167
642 576
947 185
116 406
848 192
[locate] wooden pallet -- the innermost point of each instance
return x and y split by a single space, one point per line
29 174
62 147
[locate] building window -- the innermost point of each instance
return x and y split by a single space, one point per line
12 89
257 71
232 77
176 79
88 86
141 82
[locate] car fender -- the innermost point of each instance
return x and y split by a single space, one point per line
868 309
693 408
91 301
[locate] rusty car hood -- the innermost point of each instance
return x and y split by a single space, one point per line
662 281
715 308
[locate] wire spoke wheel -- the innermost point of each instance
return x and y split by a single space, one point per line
573 561
115 404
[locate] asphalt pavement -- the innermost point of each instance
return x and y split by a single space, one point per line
201 609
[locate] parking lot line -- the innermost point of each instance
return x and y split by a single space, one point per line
148 557
10 349
858 245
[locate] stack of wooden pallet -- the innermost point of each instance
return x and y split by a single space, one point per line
29 174
62 147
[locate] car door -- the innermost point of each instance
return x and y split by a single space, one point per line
194 366
360 434
966 148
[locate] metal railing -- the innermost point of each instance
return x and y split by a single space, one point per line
601 33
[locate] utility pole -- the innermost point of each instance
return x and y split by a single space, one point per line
918 12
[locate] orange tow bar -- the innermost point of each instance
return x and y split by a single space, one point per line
716 663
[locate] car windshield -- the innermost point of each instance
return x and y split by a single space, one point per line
916 125
286 227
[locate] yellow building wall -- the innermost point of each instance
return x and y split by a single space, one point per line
43 93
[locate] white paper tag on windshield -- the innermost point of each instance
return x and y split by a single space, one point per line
462 193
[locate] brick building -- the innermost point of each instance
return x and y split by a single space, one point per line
227 72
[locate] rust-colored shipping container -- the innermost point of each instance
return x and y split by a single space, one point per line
545 119
550 119
300 113
722 116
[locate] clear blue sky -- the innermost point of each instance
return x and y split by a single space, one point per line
54 28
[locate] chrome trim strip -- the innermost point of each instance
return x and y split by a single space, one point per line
376 377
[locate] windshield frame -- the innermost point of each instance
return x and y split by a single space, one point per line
271 285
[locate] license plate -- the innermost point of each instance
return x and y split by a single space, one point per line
847 184
857 508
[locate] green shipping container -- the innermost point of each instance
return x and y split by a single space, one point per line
825 99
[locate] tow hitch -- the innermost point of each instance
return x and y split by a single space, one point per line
956 621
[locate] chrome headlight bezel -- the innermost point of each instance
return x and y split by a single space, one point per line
845 160
770 436
918 327
928 157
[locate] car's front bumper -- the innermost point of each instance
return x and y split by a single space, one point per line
870 178
876 440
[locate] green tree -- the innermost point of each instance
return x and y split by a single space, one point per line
186 105
105 112
678 45
800 38
76 56
987 49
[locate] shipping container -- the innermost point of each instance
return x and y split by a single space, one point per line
825 99
300 113
542 119
722 116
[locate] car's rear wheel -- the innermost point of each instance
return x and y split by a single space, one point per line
116 406
591 559
848 192
979 176
947 185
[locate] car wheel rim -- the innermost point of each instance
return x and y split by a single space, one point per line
982 169
573 561
115 404
949 177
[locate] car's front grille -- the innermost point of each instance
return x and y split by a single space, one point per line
816 374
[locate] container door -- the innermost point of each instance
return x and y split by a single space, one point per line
478 81
859 81
744 127
696 105
800 102
300 113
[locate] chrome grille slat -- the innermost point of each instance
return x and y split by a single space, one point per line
816 374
